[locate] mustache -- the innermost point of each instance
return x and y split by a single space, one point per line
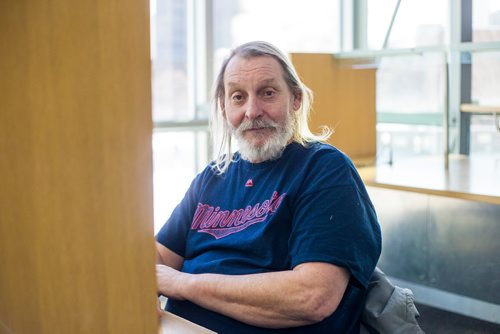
257 124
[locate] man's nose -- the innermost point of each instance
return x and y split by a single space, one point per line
254 108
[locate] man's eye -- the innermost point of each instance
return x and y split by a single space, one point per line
269 93
237 97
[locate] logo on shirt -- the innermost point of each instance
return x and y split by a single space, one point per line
249 183
220 224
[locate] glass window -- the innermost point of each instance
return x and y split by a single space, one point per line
411 85
485 20
176 154
176 158
396 141
484 136
169 60
378 21
293 25
486 78
410 104
417 23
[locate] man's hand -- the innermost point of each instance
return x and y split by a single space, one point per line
170 281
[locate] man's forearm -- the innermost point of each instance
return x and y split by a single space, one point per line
302 296
266 300
166 257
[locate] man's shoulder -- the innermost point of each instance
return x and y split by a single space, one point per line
323 151
328 164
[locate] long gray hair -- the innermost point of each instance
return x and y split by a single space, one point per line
221 132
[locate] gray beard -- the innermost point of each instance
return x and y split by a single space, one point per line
273 148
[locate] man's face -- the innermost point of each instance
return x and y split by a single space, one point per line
258 106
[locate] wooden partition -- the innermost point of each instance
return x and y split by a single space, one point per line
76 221
344 100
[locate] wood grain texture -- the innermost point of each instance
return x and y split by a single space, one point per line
76 214
344 100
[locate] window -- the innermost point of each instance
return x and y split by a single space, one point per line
176 148
414 25
176 157
413 47
485 78
169 60
485 20
484 135
293 25
411 84
410 102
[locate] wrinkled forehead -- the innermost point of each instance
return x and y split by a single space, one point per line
241 69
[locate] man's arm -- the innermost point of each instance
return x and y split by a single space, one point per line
305 295
166 257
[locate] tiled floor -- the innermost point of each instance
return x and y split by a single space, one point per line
435 321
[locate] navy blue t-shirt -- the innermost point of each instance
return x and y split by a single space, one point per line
310 205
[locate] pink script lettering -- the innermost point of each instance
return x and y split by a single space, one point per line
219 224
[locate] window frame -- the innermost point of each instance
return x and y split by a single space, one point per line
456 123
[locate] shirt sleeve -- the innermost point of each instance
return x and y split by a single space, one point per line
335 222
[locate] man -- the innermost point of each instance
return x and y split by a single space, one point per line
280 236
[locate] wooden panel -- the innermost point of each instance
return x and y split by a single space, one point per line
76 221
474 108
344 100
171 323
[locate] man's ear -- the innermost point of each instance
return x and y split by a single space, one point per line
297 99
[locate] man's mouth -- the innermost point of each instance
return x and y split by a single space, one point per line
260 128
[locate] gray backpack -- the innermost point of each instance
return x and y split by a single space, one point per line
388 309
